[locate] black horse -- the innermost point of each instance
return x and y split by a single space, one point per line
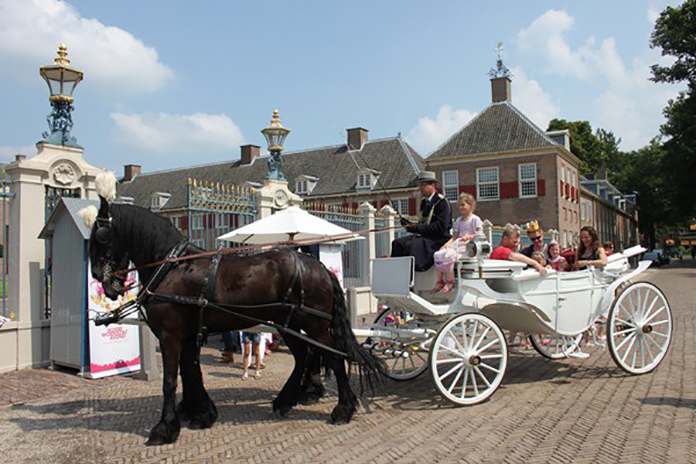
124 233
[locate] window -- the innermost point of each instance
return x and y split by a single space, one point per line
197 221
528 180
565 214
222 221
400 205
487 187
450 185
301 187
159 199
176 220
565 239
365 181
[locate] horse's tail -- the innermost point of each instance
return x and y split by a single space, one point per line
369 367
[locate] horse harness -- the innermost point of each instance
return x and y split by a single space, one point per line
204 300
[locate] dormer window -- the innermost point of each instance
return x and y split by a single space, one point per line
365 180
304 184
301 187
159 199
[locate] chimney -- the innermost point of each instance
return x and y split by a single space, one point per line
130 171
20 158
500 87
357 137
249 154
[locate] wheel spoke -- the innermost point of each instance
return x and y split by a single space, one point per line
420 356
449 372
490 368
628 350
483 377
632 329
396 361
489 345
621 321
662 308
473 334
642 352
647 311
464 383
450 360
473 382
635 353
491 356
465 339
456 379
630 337
656 344
455 352
666 321
481 338
652 358
453 336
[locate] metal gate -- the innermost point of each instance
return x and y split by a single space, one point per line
51 199
215 209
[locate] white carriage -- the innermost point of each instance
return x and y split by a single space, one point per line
458 337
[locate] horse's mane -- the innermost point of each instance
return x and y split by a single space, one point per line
149 236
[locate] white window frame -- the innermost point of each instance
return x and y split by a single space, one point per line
222 221
562 192
400 205
479 184
450 189
364 181
521 182
159 199
302 187
197 221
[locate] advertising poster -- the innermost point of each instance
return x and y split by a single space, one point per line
330 255
113 349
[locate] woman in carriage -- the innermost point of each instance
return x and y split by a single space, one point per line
590 252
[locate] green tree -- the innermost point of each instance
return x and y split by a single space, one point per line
674 34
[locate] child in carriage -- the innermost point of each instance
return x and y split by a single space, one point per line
556 260
465 228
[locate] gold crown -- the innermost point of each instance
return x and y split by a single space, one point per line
533 226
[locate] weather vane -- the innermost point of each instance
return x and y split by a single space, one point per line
500 69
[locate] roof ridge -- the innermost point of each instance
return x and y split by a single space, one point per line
409 157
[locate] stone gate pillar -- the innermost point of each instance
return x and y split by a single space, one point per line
275 195
25 340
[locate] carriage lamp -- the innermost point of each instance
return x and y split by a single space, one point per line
275 136
478 247
62 80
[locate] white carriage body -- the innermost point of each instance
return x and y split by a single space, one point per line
563 303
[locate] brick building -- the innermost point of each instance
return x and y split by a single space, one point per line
340 175
516 171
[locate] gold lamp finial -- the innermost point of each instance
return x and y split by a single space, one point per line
62 59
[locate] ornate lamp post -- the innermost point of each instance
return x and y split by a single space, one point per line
275 136
62 80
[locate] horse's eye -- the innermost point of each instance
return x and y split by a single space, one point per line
103 235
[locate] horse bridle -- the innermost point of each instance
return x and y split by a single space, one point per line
103 236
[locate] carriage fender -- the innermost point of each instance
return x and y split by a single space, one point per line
608 299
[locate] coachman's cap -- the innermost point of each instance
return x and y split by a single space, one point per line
426 176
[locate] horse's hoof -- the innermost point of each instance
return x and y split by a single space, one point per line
281 409
342 414
308 398
204 420
183 411
163 434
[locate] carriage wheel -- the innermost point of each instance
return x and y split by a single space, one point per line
558 346
468 358
639 328
405 357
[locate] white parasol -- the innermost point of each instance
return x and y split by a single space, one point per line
292 223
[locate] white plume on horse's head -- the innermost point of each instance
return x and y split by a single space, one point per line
89 215
106 184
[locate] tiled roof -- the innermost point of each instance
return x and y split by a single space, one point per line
500 127
335 167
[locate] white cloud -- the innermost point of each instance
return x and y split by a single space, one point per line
163 133
429 133
31 30
627 102
532 100
7 153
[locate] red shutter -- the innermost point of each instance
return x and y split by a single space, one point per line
509 190
345 205
354 206
383 202
412 206
541 187
184 223
470 189
562 189
567 190
374 203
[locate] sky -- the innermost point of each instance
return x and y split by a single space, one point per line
172 84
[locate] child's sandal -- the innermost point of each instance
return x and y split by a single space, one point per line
438 286
449 286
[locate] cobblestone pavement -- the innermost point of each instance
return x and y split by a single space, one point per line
568 411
